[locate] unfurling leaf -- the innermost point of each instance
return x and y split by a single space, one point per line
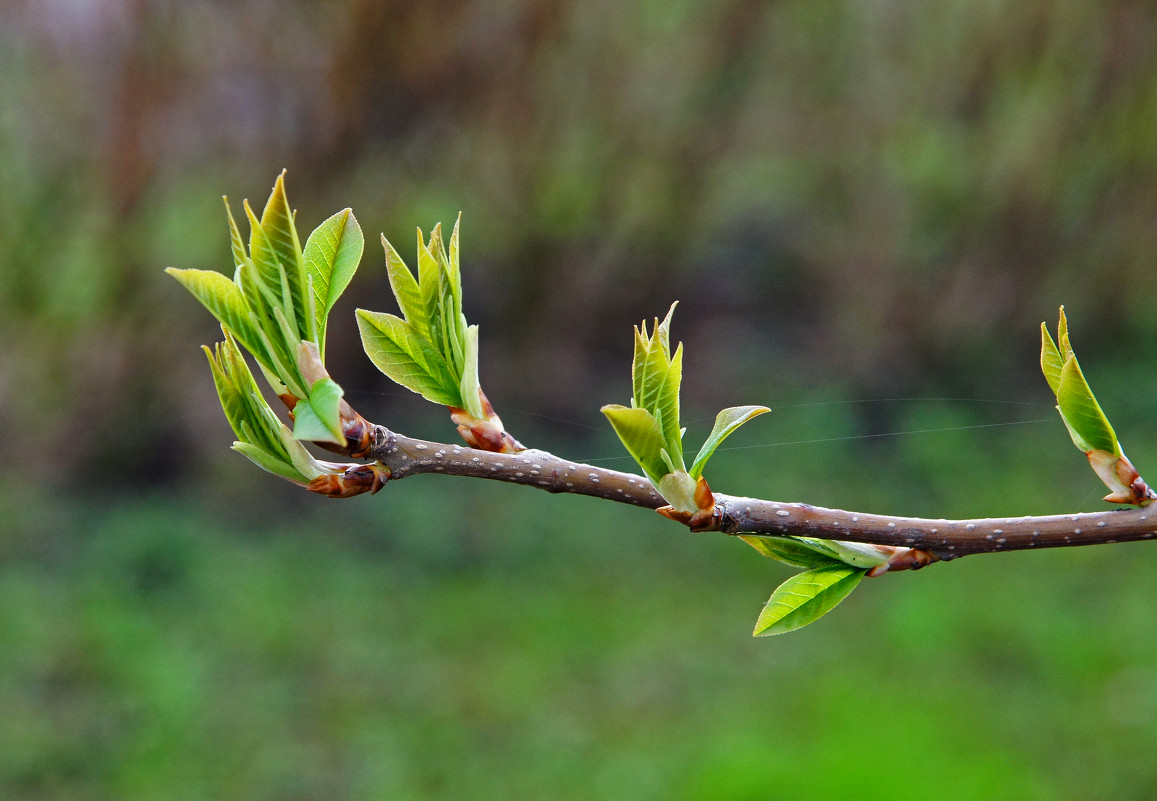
272 306
805 598
331 257
224 301
726 422
261 436
432 307
318 418
641 436
408 358
1088 427
650 428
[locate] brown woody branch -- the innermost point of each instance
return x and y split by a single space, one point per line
916 541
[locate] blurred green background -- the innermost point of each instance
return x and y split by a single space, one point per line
865 209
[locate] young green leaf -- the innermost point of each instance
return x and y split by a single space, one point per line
1087 424
270 463
408 358
331 257
1051 363
269 271
726 422
642 437
1089 428
805 598
225 302
469 385
406 290
278 227
791 550
261 437
318 418
236 244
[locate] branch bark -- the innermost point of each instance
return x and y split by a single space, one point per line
941 539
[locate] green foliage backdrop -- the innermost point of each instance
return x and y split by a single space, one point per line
851 201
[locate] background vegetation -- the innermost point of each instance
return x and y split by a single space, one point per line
854 202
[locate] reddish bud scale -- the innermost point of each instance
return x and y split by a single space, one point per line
356 480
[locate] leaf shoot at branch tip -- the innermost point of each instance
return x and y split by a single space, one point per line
281 297
1087 424
649 428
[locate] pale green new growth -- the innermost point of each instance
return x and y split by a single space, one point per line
1089 428
261 436
318 418
649 428
331 256
277 305
432 351
281 296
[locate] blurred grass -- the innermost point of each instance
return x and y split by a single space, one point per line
445 639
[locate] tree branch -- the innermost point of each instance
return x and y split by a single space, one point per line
942 539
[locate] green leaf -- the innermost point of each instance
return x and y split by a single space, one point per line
469 385
401 353
652 353
429 278
656 377
791 550
235 242
1051 363
278 226
1087 424
225 302
805 598
331 257
250 417
640 434
725 423
231 397
667 406
453 267
856 554
269 462
270 274
406 290
318 418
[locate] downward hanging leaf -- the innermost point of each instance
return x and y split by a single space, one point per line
805 598
792 550
331 257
